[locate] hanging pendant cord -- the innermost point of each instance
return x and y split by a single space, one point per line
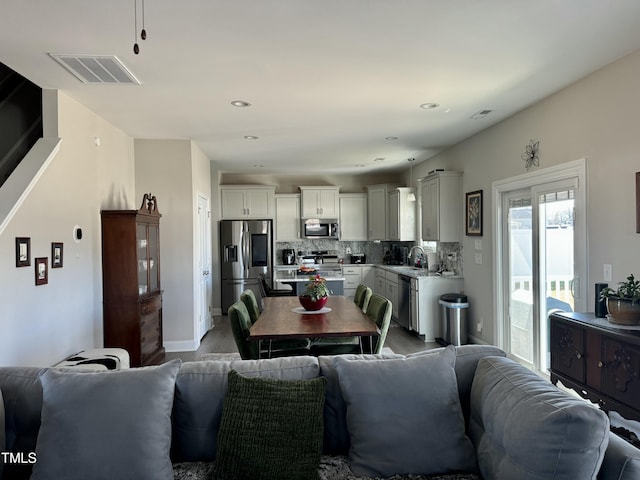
136 48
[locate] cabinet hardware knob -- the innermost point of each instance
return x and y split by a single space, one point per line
578 355
600 364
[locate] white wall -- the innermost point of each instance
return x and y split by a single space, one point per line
43 324
175 171
595 119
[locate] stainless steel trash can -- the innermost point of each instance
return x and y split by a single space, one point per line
453 317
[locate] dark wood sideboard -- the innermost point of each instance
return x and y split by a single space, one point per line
598 360
132 298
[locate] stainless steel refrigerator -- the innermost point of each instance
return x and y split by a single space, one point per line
246 251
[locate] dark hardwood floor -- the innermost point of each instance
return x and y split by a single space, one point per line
220 340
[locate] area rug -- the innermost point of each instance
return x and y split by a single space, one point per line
331 468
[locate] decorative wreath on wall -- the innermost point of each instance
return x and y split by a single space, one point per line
531 155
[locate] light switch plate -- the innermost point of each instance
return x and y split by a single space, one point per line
478 243
606 272
478 258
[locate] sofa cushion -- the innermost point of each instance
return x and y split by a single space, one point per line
200 391
621 462
404 416
336 434
106 425
524 427
270 429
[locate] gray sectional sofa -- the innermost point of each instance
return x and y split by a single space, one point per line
457 413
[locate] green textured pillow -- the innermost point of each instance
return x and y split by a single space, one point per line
270 429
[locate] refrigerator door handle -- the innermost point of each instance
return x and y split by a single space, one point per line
245 248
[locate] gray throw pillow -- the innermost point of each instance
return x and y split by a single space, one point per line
106 425
270 429
404 416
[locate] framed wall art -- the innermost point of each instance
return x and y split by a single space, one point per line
473 209
42 270
23 251
57 258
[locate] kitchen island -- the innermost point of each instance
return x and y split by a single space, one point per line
298 281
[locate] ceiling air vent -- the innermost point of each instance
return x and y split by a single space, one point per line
481 114
97 69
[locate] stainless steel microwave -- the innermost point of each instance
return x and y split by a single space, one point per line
320 228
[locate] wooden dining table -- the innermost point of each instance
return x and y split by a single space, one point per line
284 318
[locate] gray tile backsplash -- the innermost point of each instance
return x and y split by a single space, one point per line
375 251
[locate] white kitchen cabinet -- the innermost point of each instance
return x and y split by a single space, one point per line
425 307
355 275
441 195
320 202
353 216
402 215
378 211
287 217
391 288
380 282
245 201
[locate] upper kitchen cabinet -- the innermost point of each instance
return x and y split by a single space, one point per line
353 216
378 206
287 217
320 202
402 215
247 201
442 207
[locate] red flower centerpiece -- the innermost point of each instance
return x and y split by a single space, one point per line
316 294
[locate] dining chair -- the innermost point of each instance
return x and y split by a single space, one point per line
240 325
362 296
379 310
267 291
249 299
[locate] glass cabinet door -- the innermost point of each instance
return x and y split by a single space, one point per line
142 246
154 254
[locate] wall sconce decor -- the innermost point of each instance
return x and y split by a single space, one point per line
531 155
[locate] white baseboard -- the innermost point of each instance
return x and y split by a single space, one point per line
180 346
216 311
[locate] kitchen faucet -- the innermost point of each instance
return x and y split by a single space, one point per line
410 255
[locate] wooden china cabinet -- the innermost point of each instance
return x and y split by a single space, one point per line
132 298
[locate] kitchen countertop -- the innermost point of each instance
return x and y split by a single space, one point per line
415 272
292 275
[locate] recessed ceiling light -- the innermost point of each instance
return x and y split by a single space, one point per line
258 166
379 159
240 103
391 138
429 106
251 137
359 165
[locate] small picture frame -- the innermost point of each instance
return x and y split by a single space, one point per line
23 251
42 270
473 208
57 251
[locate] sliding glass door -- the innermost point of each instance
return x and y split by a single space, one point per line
542 258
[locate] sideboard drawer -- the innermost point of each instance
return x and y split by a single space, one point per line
150 305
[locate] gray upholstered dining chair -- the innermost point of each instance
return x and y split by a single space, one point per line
362 296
